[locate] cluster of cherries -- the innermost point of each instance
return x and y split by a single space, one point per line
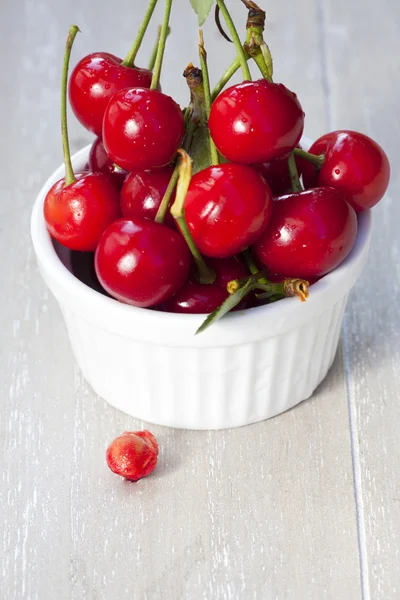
247 198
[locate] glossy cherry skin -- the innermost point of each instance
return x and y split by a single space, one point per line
195 298
310 233
256 121
226 208
95 79
133 454
77 215
142 192
141 262
100 162
354 164
142 129
276 172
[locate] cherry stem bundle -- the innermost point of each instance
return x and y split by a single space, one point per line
153 56
316 160
161 46
69 172
236 40
203 273
207 95
131 56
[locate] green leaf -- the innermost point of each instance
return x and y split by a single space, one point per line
200 149
202 8
231 301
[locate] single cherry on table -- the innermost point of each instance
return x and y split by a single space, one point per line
142 192
226 208
133 455
142 129
354 164
256 122
310 233
140 262
93 82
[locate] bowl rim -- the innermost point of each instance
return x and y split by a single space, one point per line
178 329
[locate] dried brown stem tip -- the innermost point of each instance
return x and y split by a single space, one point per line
256 17
297 287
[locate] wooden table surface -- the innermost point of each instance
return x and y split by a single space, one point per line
304 506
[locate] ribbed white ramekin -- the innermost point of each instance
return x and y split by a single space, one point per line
249 366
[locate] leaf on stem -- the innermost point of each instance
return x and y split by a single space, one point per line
201 8
231 301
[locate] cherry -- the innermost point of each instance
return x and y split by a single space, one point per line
78 209
256 122
141 262
276 172
195 298
226 209
142 192
142 129
133 454
310 233
76 214
95 79
99 162
354 164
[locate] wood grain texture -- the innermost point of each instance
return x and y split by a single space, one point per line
264 512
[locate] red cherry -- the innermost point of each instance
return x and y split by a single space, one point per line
142 129
255 122
310 233
95 79
99 162
142 193
276 172
77 215
141 262
133 454
226 208
195 298
354 164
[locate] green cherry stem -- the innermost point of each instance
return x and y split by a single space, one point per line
294 174
229 73
236 40
152 60
164 205
207 94
161 46
69 172
316 160
203 273
131 56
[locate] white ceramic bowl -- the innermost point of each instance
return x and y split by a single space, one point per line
249 366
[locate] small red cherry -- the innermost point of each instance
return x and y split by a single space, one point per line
256 122
142 129
99 162
195 298
77 214
141 262
133 454
142 192
95 79
276 172
226 209
354 164
309 234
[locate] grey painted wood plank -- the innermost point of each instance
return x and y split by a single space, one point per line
265 511
363 49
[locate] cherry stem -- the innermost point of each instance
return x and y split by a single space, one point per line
164 205
236 40
255 44
316 160
229 73
207 95
289 287
161 46
69 171
294 174
153 56
131 56
203 273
